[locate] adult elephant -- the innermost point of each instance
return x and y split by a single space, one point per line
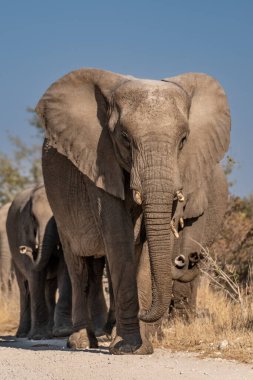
199 233
129 146
7 274
39 266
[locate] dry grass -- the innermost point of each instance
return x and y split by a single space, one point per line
9 313
225 313
222 320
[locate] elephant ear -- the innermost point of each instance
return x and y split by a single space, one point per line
209 125
26 231
74 112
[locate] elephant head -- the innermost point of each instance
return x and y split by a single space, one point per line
39 236
168 135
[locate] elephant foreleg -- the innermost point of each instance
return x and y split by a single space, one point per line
116 228
111 318
119 243
25 306
39 313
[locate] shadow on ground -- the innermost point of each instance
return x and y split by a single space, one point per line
59 344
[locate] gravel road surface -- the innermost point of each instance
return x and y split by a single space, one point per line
50 360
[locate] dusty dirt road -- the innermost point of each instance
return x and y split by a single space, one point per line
50 359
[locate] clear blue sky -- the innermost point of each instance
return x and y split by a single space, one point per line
42 40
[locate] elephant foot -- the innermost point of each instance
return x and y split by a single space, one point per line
62 331
40 333
22 334
22 331
82 339
130 346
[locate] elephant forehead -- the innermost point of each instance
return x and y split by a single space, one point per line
149 99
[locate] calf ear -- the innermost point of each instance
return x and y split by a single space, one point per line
75 112
28 226
209 124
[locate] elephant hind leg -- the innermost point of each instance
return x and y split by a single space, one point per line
50 292
62 319
96 298
40 328
83 335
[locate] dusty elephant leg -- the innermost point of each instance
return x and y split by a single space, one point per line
181 301
96 299
39 313
119 243
25 306
116 229
83 335
184 301
50 293
111 318
62 317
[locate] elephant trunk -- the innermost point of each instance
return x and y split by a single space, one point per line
157 209
47 243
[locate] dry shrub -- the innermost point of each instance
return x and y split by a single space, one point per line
9 312
234 244
219 319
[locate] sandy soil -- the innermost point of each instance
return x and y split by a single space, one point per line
50 359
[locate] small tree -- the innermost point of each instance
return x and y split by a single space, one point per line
23 167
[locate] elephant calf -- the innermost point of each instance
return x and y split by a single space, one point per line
40 267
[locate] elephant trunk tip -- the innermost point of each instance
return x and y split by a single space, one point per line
151 315
25 250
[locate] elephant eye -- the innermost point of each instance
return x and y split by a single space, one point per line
126 139
182 142
125 135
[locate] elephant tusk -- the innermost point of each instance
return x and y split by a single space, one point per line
181 221
173 229
137 197
180 196
180 261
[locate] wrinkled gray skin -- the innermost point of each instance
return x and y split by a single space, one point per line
39 266
126 146
7 274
